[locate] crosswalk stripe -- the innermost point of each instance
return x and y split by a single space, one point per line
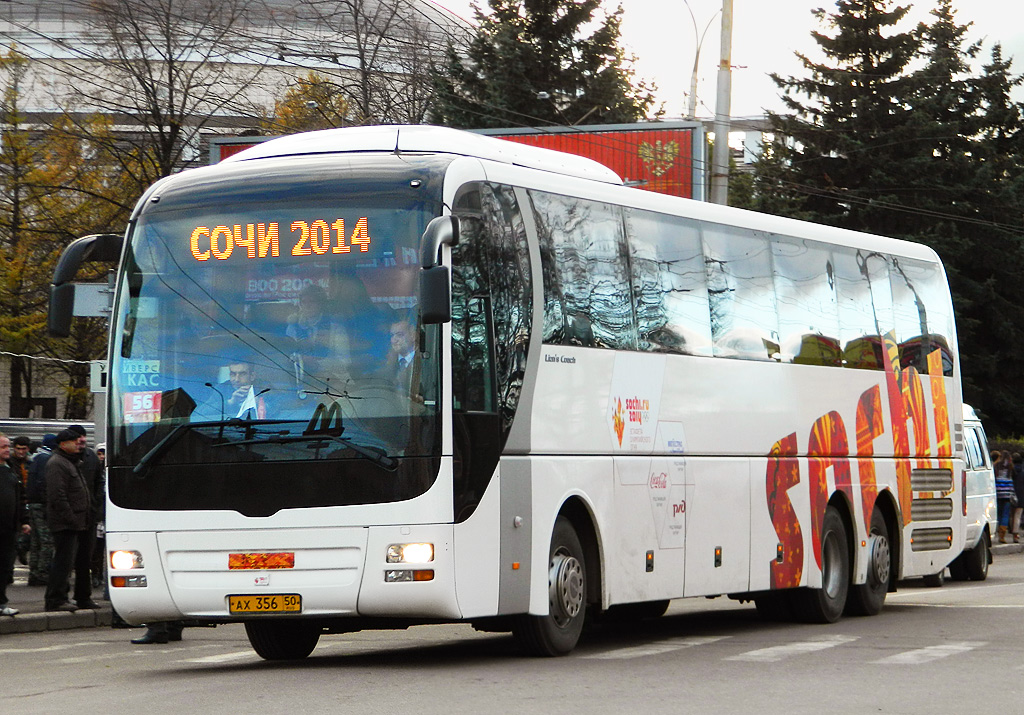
222 657
780 652
49 648
657 648
925 655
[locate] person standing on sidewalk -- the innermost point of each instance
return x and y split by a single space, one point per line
69 511
12 522
40 556
1006 495
19 463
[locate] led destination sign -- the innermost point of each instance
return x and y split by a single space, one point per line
262 240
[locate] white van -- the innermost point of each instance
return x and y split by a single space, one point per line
982 512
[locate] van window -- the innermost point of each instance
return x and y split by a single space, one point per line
975 455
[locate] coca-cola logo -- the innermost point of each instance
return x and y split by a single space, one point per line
659 481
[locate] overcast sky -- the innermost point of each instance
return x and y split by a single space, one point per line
766 33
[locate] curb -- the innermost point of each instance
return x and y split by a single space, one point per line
38 622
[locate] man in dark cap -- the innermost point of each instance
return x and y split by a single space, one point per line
92 471
40 554
69 511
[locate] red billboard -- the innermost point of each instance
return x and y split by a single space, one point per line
666 157
653 156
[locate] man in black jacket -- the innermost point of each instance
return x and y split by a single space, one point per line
69 513
12 521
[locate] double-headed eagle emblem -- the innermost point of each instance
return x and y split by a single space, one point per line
658 157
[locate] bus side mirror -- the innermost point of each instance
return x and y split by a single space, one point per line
435 280
435 295
98 247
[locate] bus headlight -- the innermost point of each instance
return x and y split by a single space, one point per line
410 553
123 560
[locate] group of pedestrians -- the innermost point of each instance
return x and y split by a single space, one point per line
1009 473
56 498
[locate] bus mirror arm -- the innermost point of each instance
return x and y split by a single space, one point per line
435 280
97 247
441 231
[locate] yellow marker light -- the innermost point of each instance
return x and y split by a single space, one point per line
410 553
122 560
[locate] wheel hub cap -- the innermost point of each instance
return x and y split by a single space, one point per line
880 558
565 584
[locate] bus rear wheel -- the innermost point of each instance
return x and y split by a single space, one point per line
826 604
867 599
282 640
558 632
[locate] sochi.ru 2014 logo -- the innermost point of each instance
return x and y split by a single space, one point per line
618 421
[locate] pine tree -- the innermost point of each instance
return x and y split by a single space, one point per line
843 147
531 64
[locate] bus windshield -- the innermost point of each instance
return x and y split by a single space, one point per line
271 319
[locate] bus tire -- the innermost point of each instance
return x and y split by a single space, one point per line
867 599
977 560
558 632
958 567
826 604
282 639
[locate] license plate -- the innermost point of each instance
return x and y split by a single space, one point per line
278 603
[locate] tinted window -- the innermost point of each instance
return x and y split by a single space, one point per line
808 308
491 301
741 293
865 306
669 283
922 318
975 458
587 297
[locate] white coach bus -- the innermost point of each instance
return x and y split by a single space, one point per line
615 398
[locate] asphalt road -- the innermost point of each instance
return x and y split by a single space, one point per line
959 648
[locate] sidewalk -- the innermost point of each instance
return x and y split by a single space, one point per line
32 617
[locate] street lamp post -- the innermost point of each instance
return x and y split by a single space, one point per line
691 109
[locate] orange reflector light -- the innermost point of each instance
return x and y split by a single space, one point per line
118 581
425 575
262 561
515 565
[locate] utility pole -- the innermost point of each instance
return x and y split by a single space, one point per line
723 112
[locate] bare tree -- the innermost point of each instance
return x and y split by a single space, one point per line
163 70
376 52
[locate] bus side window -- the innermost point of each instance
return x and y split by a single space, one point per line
473 358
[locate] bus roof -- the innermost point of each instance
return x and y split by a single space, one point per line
422 138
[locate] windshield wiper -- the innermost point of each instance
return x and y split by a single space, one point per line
172 437
374 454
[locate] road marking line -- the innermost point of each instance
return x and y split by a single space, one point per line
926 655
959 605
779 652
45 649
222 657
658 648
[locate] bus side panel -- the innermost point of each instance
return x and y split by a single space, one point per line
554 481
718 503
649 517
478 541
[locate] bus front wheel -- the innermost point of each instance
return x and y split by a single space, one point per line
282 640
558 632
